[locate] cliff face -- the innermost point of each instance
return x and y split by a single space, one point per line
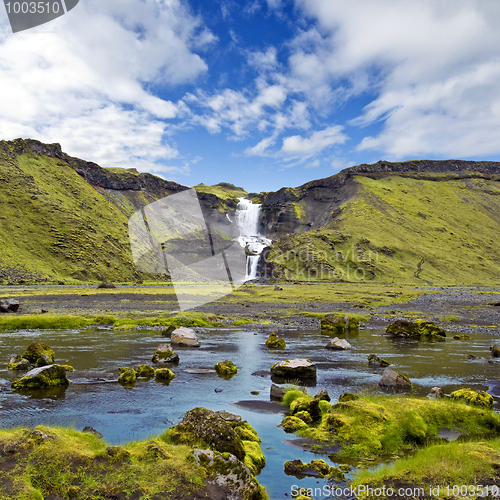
316 203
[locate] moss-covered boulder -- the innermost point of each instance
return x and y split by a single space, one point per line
254 458
294 368
293 424
274 342
164 375
347 396
315 468
18 363
39 354
474 398
416 329
231 476
145 371
164 354
226 369
495 351
374 360
394 380
42 377
207 426
335 325
127 376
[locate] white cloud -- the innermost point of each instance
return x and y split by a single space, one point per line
263 61
298 146
81 80
434 68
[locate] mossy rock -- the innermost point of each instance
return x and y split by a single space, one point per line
164 354
254 458
347 396
416 329
231 474
495 351
273 342
333 324
145 371
39 354
127 376
374 360
304 416
117 453
200 425
300 404
294 368
42 377
461 337
167 332
334 422
68 368
293 424
17 363
246 432
315 468
226 369
164 374
475 398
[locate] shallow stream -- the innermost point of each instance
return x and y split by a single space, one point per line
123 414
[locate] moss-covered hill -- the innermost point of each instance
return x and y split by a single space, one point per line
59 218
406 227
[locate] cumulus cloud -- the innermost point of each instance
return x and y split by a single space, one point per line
432 66
80 80
298 146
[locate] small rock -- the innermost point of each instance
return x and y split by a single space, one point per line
461 337
9 305
106 285
255 393
18 363
374 360
91 430
145 371
339 345
278 288
164 354
301 368
393 379
39 354
322 395
436 393
226 369
117 452
495 351
273 342
277 392
127 376
471 356
164 374
185 337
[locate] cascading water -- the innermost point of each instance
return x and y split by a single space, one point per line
247 220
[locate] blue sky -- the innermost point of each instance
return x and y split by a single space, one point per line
259 93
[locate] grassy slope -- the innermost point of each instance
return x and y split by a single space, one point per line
394 224
55 223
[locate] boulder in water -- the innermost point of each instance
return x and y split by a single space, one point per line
436 393
164 375
164 354
184 337
495 351
417 329
392 379
127 376
299 368
226 369
274 342
42 377
39 354
374 360
18 363
339 345
145 371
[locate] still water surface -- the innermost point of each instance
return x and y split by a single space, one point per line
123 414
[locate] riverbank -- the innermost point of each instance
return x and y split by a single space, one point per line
284 306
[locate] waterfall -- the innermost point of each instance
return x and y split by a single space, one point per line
247 220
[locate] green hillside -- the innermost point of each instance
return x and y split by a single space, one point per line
406 229
54 225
